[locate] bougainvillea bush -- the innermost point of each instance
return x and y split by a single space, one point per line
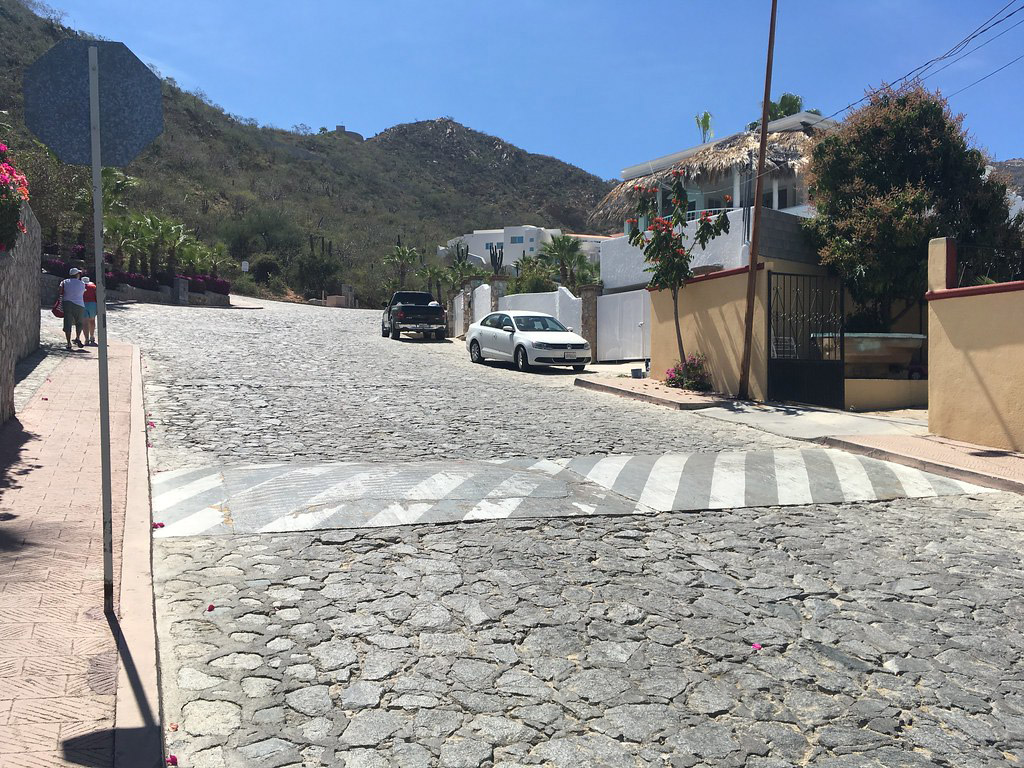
57 267
691 374
217 285
13 192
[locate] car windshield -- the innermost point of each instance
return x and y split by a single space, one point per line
538 323
412 297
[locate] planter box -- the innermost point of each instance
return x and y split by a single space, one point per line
217 299
197 299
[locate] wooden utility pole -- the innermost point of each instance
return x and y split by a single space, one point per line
748 322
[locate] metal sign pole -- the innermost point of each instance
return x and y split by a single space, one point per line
101 328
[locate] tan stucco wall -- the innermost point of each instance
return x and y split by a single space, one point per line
711 317
976 369
885 394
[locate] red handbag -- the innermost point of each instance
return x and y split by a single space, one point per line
58 307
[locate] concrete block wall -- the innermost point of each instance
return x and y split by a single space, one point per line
19 307
782 237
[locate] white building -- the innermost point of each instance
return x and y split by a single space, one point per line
719 176
516 242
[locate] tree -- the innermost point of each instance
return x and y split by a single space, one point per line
898 172
560 253
403 259
534 276
433 275
788 104
664 241
703 120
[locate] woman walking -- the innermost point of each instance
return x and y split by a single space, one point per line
90 312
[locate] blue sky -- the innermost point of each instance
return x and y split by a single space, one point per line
601 84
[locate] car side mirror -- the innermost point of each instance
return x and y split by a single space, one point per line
508 329
570 328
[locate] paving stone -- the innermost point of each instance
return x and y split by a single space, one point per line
596 640
314 700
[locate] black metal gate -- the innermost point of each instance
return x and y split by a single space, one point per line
805 339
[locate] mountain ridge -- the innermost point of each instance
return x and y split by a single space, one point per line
424 181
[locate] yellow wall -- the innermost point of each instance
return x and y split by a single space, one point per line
976 369
711 317
885 394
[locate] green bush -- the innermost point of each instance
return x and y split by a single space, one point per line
245 285
277 285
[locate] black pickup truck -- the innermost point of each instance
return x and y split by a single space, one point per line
415 312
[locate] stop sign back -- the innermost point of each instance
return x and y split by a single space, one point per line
56 91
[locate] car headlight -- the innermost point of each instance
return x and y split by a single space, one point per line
542 345
586 345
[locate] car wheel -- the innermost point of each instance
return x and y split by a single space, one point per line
440 335
395 332
522 361
578 368
383 330
474 353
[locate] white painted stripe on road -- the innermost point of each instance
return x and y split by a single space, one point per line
303 521
175 496
515 486
914 482
729 481
794 486
493 510
663 482
354 486
607 470
196 523
162 477
398 514
853 478
438 486
971 487
550 467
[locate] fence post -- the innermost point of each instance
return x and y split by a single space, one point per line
589 294
499 288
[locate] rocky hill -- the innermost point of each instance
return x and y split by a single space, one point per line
1014 170
424 181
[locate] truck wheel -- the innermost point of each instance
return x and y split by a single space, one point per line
522 361
578 368
440 335
395 331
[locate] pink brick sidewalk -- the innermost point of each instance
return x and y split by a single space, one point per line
58 657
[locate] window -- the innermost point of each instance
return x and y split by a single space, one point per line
539 323
488 246
516 239
766 200
783 198
531 249
521 239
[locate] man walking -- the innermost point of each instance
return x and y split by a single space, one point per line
72 293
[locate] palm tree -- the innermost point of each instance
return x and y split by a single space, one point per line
788 104
563 253
704 126
433 275
403 259
218 258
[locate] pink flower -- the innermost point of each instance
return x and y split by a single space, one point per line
3 147
756 646
172 760
158 525
150 423
209 608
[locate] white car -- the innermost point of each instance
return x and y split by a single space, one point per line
527 339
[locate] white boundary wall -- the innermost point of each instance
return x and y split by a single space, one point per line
561 303
481 302
458 313
620 335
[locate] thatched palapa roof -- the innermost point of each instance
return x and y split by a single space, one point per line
787 151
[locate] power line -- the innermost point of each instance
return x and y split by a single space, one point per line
975 48
986 77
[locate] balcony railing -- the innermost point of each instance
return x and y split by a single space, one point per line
981 265
694 215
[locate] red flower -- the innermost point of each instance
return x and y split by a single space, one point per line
209 608
21 227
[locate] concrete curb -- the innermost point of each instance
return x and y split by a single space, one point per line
936 467
138 737
597 386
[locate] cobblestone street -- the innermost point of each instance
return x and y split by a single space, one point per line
848 635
